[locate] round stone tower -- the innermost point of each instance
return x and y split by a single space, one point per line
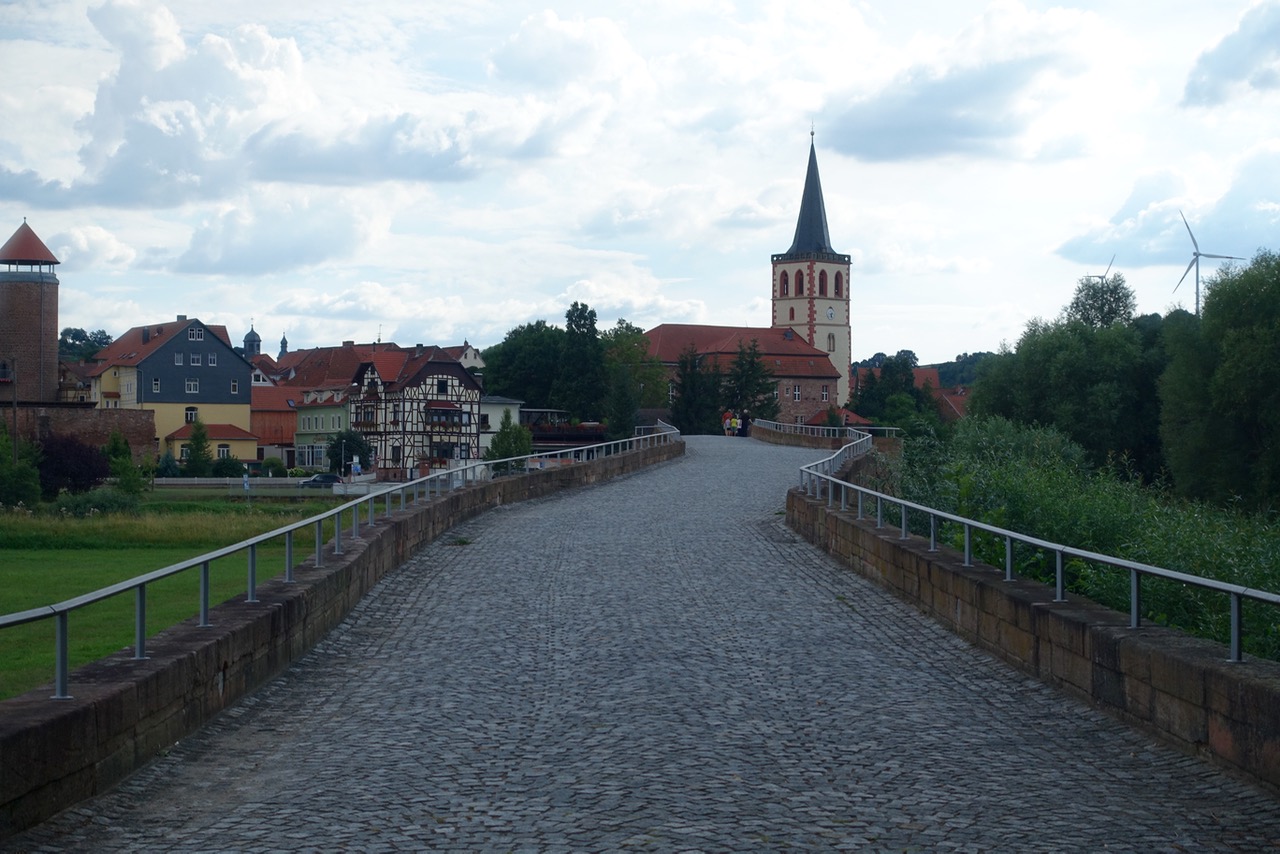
28 318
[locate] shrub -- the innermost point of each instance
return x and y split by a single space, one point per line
273 467
227 467
66 463
102 500
168 466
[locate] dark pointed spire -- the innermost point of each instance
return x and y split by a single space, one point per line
812 237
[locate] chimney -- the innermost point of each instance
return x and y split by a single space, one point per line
417 350
348 343
182 318
146 334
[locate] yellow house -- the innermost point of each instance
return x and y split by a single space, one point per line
182 370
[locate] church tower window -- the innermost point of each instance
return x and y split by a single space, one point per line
784 286
839 284
822 283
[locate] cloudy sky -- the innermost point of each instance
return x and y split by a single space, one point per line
438 171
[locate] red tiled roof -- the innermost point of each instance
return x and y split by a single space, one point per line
129 349
228 432
24 247
264 398
782 351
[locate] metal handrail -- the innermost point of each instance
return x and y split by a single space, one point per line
824 432
433 484
816 476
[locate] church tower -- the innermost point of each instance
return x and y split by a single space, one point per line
811 284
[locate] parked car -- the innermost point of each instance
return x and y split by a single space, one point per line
320 481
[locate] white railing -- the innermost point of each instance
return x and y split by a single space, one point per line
821 478
402 493
850 433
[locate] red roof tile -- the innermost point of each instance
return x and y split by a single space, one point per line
130 348
266 398
229 432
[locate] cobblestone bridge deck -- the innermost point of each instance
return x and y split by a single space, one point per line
658 663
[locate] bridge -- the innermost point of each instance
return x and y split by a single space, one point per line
658 662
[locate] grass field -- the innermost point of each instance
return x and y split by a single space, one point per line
46 559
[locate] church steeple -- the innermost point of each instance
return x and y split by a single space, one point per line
812 238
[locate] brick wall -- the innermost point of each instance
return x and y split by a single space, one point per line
93 426
124 712
29 331
1181 688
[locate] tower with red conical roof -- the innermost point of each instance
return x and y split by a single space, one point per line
811 286
28 318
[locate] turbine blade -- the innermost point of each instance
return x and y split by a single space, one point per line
1109 263
1231 257
1193 237
1184 272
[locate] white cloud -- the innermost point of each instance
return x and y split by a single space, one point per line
90 246
1246 59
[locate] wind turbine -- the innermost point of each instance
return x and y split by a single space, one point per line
1196 255
1102 280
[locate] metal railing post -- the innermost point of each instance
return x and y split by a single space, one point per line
288 557
1059 586
933 533
844 496
140 622
902 508
1008 558
1237 629
60 657
204 594
337 533
879 512
1135 599
319 542
355 522
860 514
968 544
253 574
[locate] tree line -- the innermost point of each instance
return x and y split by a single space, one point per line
1190 403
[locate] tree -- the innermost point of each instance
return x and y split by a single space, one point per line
511 440
274 467
20 480
199 462
627 345
525 364
68 464
117 446
580 383
749 386
168 466
347 445
1100 301
75 345
1220 396
696 407
620 407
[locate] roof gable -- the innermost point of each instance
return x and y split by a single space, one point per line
24 247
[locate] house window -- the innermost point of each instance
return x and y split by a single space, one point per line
193 386
191 414
442 386
184 453
822 283
484 421
395 413
799 419
155 385
775 393
235 386
224 452
831 342
825 396
195 333
177 358
196 359
795 392
792 314
213 360
333 422
395 455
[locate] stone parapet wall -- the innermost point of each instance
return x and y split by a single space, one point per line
124 712
1181 688
89 425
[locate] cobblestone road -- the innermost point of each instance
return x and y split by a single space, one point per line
657 663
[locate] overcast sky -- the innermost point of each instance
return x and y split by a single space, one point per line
438 171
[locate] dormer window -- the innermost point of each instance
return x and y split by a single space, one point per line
195 333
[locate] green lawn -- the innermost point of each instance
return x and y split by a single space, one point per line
47 559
